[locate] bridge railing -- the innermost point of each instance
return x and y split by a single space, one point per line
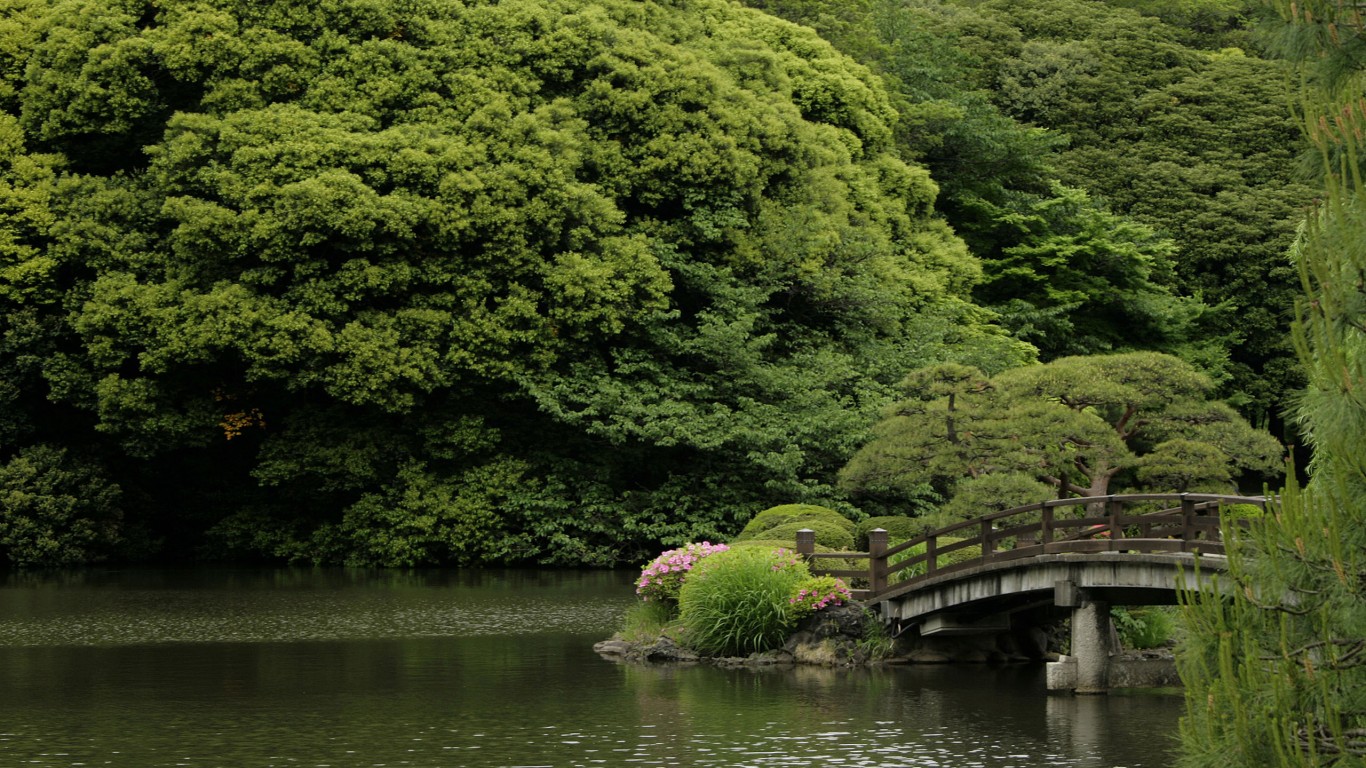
1145 522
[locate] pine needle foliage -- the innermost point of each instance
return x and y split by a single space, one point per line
1276 674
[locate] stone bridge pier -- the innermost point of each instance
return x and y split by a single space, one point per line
1087 669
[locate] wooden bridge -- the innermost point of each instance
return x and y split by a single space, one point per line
1082 554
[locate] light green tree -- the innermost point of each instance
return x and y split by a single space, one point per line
458 282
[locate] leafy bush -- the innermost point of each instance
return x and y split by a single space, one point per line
1237 513
738 601
774 517
818 593
941 561
817 562
898 528
58 509
1141 628
828 534
662 578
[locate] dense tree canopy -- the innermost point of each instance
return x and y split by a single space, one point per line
1208 158
409 282
420 281
1146 135
1061 271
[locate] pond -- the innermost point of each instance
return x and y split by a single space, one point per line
319 667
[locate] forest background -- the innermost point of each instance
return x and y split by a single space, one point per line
418 282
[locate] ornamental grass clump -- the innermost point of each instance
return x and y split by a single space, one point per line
662 578
818 593
738 602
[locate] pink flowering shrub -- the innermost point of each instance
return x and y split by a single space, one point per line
663 577
786 558
817 593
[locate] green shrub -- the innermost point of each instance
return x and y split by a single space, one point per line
898 528
817 562
645 621
1141 628
737 601
877 642
941 561
827 534
818 593
57 508
790 513
1235 513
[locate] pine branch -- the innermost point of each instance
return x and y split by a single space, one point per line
1351 742
1346 661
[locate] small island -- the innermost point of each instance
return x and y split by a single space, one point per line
758 603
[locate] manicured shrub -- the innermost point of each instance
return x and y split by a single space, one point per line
898 528
817 562
1237 513
818 593
662 578
941 561
828 534
737 601
790 513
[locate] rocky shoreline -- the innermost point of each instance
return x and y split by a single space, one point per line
839 637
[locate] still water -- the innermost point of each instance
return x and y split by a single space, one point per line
261 668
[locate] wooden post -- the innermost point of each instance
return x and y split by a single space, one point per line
1112 509
806 543
1046 525
1188 531
986 538
877 562
931 554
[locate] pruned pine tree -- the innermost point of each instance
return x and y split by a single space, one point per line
1276 672
1087 426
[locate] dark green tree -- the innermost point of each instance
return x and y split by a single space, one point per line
1061 271
1192 142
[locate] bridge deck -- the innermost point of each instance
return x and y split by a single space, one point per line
1005 586
1157 533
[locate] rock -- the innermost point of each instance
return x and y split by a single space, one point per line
798 639
667 651
615 648
766 659
848 620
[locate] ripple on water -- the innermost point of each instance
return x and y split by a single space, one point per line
855 745
120 617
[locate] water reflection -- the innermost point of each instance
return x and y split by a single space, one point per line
337 668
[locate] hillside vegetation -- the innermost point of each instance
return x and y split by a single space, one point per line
419 282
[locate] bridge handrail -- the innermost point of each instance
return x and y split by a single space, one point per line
1187 527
